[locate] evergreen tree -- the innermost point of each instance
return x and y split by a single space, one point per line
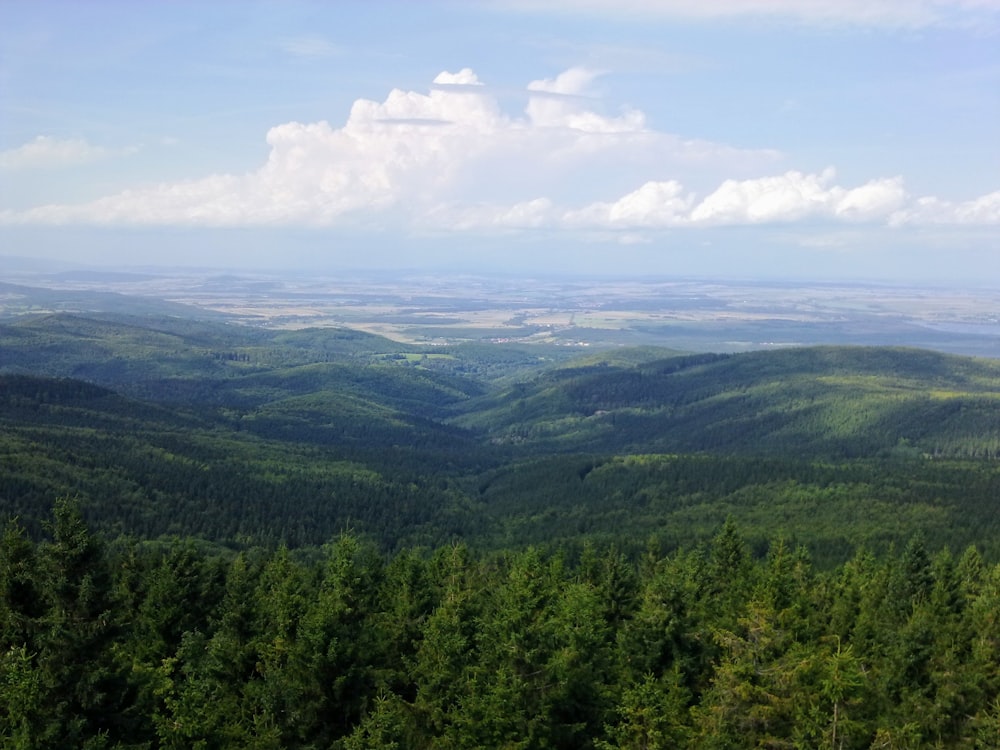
82 687
21 603
651 715
444 658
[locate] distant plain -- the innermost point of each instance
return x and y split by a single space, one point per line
421 308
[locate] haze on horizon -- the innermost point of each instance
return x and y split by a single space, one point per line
821 139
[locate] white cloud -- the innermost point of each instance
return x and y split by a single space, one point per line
452 159
795 196
878 13
780 199
930 210
412 154
464 77
48 153
792 196
561 102
655 204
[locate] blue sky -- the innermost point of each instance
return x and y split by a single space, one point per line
849 139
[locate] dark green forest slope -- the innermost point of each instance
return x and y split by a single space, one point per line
241 436
829 401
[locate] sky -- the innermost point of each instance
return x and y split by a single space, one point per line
799 139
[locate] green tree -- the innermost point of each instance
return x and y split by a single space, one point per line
282 694
651 715
21 721
447 649
21 603
338 638
387 725
830 688
83 688
663 633
507 699
749 702
200 688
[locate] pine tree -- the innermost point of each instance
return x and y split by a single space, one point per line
82 686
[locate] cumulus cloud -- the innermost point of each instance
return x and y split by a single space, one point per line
45 152
654 205
792 196
930 210
453 159
779 199
413 153
557 103
795 196
464 77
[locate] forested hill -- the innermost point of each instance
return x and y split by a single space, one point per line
820 401
245 436
151 355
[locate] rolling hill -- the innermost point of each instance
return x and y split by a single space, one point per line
244 436
817 401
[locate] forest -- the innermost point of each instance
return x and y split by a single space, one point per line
128 645
227 536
